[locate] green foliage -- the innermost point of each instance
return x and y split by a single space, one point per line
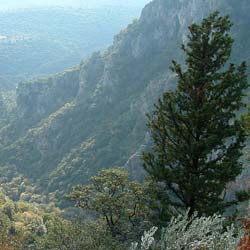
54 141
197 136
156 201
20 224
26 226
245 121
243 195
117 88
114 198
77 235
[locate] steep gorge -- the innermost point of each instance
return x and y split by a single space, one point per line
69 126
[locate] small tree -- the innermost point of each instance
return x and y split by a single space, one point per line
197 137
115 199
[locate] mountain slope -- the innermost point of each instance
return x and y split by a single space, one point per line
71 125
41 41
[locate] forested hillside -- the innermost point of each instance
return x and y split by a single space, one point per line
139 147
67 127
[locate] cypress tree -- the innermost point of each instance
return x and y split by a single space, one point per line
197 137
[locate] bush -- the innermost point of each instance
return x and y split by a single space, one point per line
204 233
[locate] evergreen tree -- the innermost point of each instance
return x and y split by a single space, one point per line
197 137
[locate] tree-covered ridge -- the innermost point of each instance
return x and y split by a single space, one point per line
67 130
103 101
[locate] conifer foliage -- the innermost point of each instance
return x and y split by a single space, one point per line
197 136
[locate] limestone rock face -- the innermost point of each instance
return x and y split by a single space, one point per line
38 99
69 126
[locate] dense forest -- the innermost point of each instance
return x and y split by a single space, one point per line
144 145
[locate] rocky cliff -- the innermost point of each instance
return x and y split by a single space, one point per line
71 125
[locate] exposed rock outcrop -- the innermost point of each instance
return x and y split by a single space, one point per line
105 100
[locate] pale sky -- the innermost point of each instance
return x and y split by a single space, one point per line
16 4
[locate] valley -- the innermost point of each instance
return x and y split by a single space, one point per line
76 87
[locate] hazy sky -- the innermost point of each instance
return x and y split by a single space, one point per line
16 4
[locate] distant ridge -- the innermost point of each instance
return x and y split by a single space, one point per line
68 127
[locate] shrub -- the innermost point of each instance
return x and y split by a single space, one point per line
197 233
